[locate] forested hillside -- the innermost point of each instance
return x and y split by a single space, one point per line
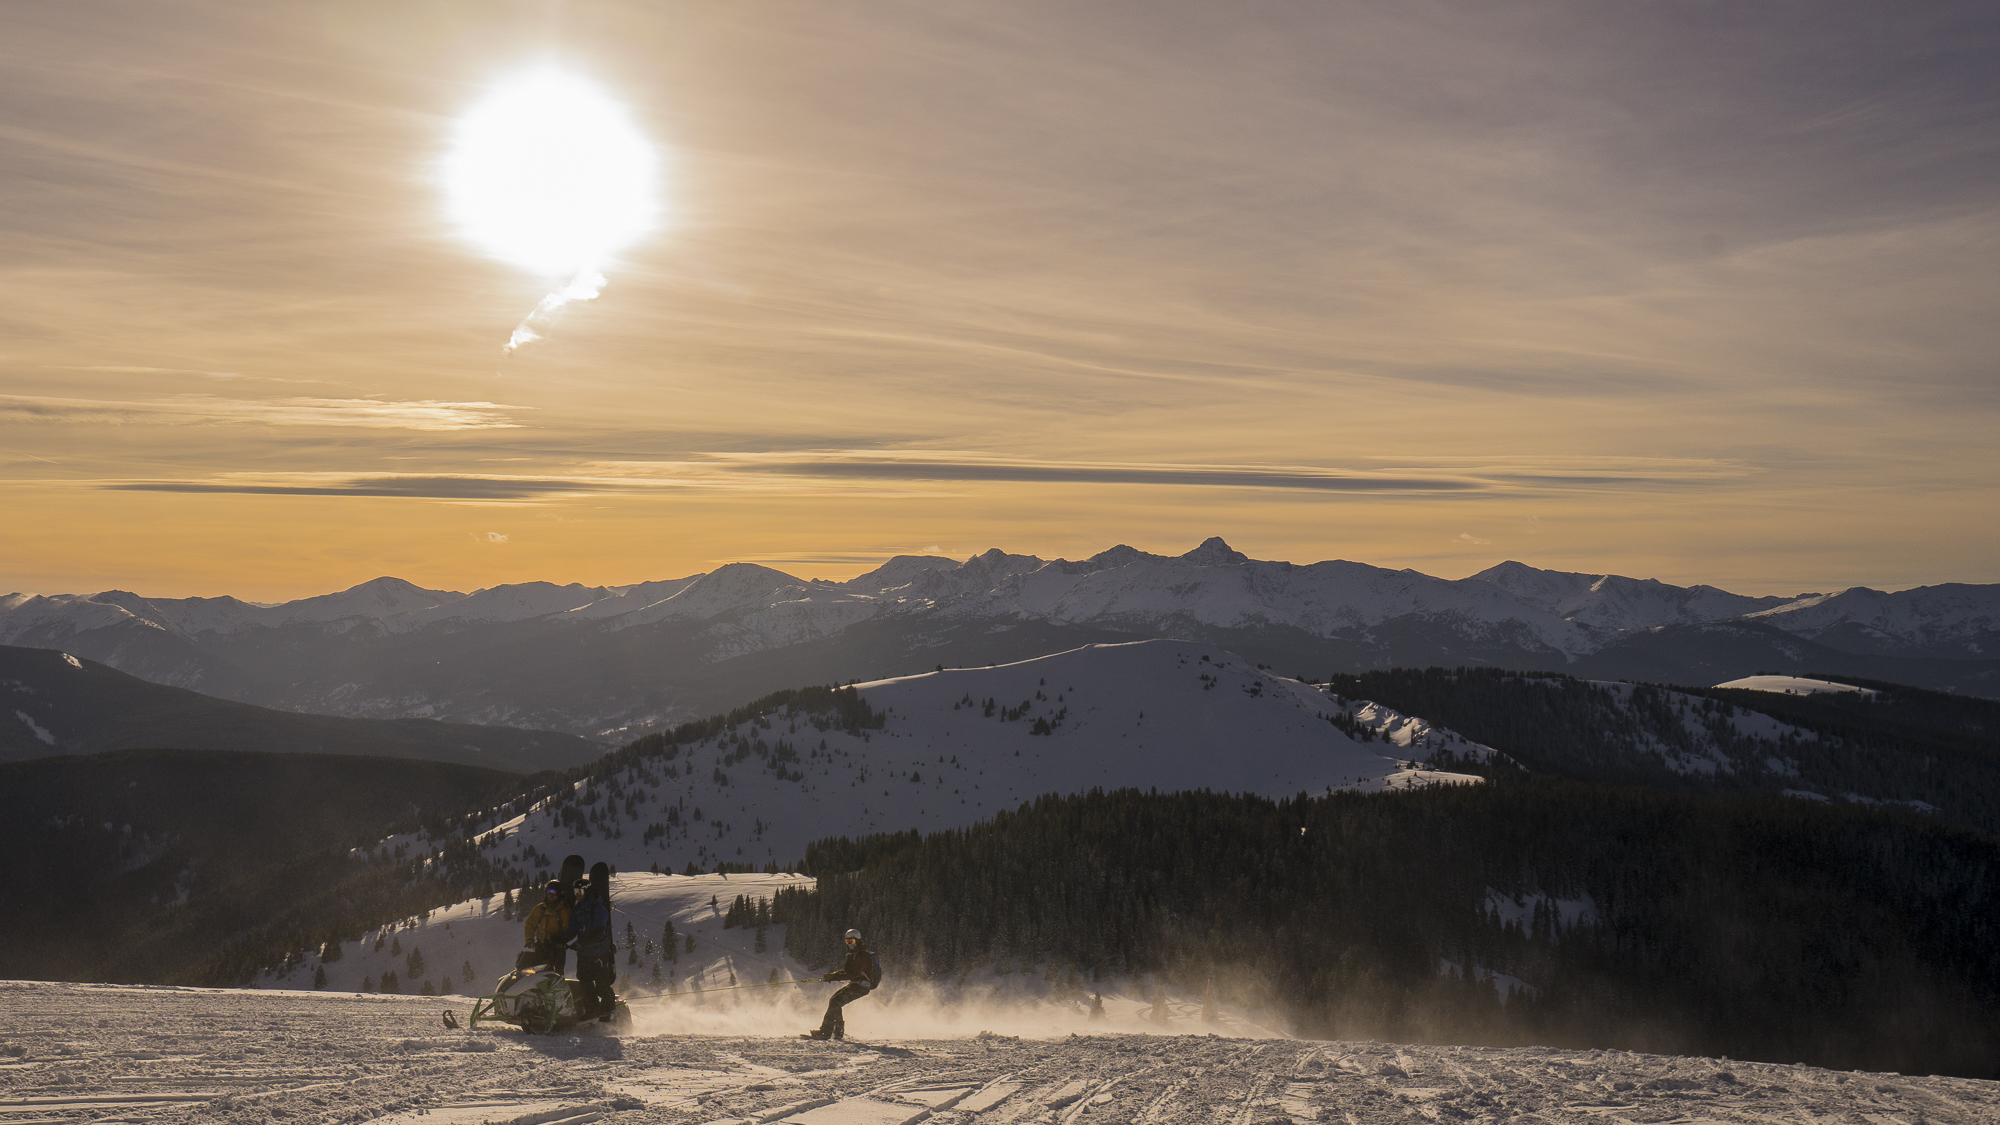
145 864
1540 911
1937 751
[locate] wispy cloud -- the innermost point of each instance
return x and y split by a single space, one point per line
411 487
913 474
123 370
365 413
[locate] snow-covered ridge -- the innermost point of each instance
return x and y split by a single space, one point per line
1210 585
614 662
1924 615
955 747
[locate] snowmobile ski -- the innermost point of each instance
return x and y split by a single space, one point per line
450 1021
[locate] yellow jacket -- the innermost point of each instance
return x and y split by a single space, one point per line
547 922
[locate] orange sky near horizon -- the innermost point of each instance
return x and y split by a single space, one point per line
1690 295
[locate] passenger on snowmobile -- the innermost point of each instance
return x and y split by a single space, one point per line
863 972
546 925
596 948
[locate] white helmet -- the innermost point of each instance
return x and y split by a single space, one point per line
854 935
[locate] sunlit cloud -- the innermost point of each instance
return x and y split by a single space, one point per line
364 413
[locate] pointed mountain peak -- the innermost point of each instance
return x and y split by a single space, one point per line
1214 552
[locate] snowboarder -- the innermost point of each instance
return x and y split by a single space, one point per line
862 972
596 951
545 927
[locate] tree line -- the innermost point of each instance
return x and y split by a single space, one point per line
1527 910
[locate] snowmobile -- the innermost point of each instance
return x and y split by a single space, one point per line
540 1002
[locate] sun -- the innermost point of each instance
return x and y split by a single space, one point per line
549 172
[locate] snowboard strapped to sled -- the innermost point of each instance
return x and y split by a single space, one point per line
539 1002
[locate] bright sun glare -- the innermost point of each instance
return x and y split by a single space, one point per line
549 173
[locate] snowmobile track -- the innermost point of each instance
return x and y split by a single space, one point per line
208 1057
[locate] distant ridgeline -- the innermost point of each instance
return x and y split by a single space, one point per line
1529 910
1902 744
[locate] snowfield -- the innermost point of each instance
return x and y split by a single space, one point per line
71 1052
962 744
1795 685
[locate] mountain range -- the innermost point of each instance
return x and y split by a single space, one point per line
615 662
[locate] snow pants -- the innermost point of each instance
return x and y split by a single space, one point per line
596 975
555 955
835 1024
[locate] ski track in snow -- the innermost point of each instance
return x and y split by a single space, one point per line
105 1053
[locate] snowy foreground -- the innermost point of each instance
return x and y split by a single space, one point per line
116 1053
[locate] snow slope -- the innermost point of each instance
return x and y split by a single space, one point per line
1925 616
1171 715
173 1055
1614 602
1795 685
477 933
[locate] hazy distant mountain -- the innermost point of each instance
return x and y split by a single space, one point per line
615 661
52 703
1609 601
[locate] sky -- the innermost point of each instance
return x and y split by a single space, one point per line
1701 292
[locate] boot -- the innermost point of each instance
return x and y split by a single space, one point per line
818 1033
840 1031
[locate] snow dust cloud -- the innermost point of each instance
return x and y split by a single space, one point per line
925 1010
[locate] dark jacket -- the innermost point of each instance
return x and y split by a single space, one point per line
590 928
859 966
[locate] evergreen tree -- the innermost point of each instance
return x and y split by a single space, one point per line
319 977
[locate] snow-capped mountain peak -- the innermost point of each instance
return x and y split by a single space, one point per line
1214 552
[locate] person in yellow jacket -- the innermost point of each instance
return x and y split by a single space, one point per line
546 925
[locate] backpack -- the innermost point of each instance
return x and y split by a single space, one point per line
874 971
